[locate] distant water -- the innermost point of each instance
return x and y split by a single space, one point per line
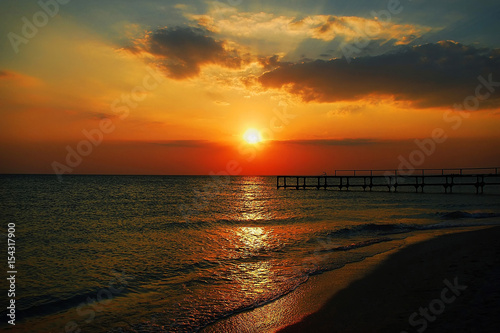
161 254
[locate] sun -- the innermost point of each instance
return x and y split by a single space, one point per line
252 136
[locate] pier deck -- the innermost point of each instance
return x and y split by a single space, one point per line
392 180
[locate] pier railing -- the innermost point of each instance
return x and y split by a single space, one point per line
391 179
396 172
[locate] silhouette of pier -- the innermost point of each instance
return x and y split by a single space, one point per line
393 180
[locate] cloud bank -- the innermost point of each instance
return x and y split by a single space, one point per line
429 75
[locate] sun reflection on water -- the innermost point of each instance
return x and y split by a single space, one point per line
250 271
254 277
254 207
253 239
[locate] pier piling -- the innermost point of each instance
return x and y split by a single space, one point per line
447 179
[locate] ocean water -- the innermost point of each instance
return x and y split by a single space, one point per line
174 254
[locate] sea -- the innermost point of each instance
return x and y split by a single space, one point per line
177 253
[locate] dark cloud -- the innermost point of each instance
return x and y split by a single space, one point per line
270 62
98 115
428 75
317 142
186 143
332 142
7 74
325 28
181 51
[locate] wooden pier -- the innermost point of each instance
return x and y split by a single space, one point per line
392 180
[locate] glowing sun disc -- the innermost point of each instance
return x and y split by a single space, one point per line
252 136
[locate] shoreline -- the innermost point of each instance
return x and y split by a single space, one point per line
378 294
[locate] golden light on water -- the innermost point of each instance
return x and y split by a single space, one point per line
254 208
255 277
254 238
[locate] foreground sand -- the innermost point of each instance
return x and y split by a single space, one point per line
382 293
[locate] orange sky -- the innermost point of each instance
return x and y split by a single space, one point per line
174 94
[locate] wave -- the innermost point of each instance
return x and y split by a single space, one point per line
373 228
414 216
465 215
44 306
202 222
397 228
198 222
358 245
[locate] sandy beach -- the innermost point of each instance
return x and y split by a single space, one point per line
440 281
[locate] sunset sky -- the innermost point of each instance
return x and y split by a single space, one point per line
171 87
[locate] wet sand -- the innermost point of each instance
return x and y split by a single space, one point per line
440 281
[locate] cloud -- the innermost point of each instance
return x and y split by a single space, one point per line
332 142
12 80
428 75
217 99
10 75
270 62
314 142
222 103
284 33
186 143
351 28
93 115
182 51
345 110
